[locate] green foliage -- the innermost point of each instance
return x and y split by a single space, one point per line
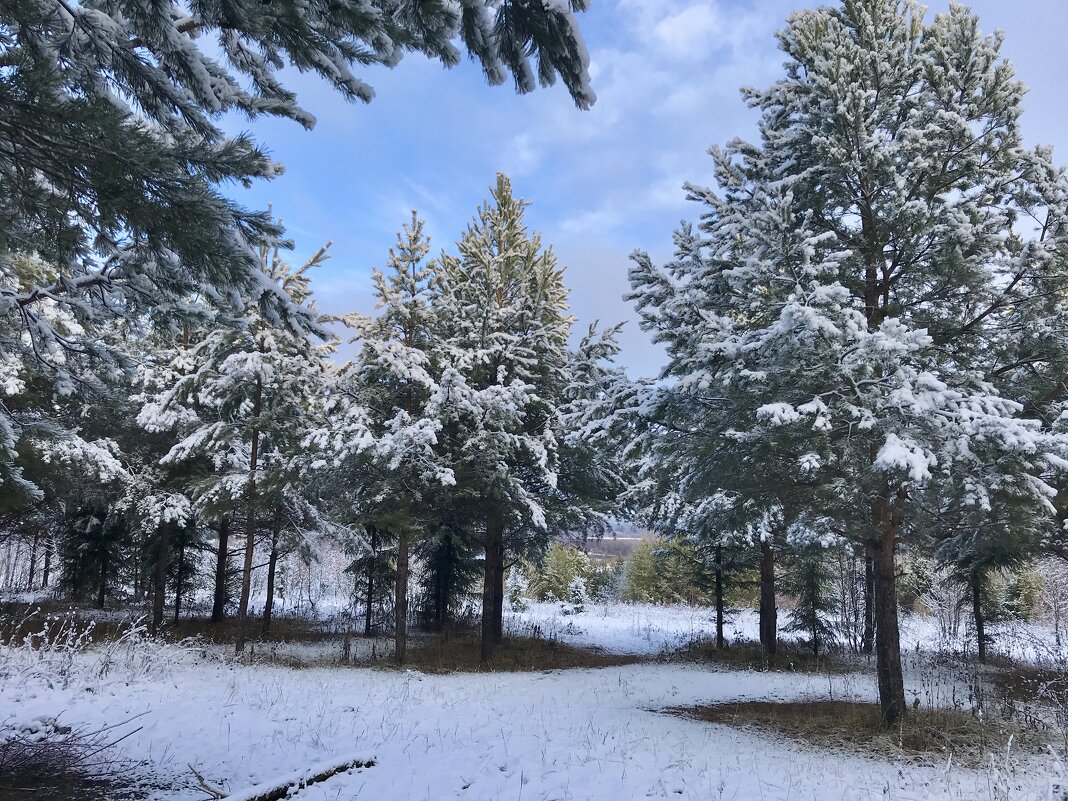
659 572
374 569
1024 592
552 578
809 582
92 551
450 574
605 581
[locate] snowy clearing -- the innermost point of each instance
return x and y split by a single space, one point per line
651 629
580 734
572 734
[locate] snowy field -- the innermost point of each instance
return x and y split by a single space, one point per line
592 734
579 734
651 629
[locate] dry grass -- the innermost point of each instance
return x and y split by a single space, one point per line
66 766
283 629
923 735
459 652
18 620
749 656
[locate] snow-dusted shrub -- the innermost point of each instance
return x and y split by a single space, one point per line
61 651
518 589
577 599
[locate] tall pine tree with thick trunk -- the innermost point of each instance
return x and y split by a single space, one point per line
859 276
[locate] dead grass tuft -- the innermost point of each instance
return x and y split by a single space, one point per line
923 735
459 652
790 658
66 766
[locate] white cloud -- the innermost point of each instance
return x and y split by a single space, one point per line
691 33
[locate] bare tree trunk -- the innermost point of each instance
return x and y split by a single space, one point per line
178 579
250 527
977 614
222 564
372 563
768 609
159 588
887 637
867 642
494 569
46 569
30 586
400 602
102 590
719 597
272 565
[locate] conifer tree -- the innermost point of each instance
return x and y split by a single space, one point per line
112 155
809 582
239 397
856 269
502 305
382 424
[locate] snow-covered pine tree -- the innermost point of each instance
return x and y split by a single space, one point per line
112 155
593 437
238 397
711 467
857 262
45 386
382 428
502 305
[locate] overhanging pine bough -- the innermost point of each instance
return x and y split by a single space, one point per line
111 158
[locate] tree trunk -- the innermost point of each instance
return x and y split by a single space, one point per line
272 565
498 600
178 579
250 527
867 642
46 569
159 579
400 601
768 610
494 571
719 597
372 563
30 586
222 563
887 637
141 581
102 590
977 613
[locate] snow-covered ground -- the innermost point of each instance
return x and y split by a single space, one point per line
576 734
651 629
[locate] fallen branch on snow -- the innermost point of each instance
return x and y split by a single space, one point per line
280 788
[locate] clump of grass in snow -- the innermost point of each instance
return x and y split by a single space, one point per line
791 657
460 652
922 735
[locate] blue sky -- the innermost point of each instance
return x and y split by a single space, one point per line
603 182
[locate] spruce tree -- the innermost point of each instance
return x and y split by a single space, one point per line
382 426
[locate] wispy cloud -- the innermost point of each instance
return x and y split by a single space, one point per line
603 182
